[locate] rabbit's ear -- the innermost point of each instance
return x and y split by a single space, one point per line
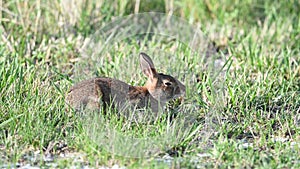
147 66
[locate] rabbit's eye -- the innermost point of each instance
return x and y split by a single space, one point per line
168 84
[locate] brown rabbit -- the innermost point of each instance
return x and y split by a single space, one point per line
102 91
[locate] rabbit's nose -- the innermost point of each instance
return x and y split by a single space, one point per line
177 90
181 89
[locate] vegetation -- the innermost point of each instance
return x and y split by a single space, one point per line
254 123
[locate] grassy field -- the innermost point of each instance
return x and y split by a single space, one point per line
247 117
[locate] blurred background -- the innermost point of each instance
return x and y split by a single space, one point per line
41 40
40 22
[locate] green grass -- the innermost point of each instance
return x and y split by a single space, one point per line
41 57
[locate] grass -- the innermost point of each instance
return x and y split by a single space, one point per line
255 123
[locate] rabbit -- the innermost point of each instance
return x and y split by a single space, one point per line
100 92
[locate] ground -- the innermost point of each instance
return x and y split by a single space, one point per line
243 113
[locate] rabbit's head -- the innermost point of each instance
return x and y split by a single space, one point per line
162 87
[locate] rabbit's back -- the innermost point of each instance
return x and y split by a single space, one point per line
102 92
